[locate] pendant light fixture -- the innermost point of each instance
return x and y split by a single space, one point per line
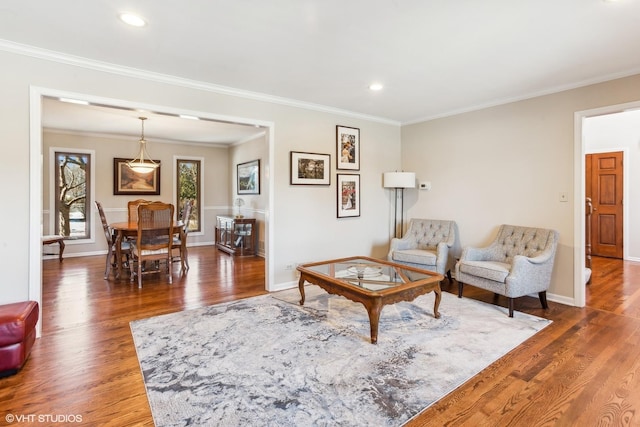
143 163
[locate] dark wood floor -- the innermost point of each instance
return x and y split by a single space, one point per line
583 370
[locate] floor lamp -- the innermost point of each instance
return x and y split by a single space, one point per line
399 181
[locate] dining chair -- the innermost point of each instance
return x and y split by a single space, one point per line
180 240
132 209
153 240
110 236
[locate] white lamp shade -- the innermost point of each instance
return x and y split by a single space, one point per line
399 180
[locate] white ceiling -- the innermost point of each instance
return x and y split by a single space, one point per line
434 57
125 122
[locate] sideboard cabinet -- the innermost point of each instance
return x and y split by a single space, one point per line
236 236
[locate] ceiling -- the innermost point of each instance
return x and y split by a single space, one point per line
434 57
125 122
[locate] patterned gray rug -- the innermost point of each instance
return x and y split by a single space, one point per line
266 361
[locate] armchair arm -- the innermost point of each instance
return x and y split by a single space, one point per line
398 244
541 258
442 256
401 244
476 254
529 275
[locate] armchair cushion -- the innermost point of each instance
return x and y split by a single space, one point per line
415 256
492 270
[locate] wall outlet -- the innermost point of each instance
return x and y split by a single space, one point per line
290 266
564 197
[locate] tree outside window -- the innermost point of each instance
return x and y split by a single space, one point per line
72 202
188 188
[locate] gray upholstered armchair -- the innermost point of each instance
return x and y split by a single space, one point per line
429 244
518 262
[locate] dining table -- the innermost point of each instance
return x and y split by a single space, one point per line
126 229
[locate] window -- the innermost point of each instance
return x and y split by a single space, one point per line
189 179
72 174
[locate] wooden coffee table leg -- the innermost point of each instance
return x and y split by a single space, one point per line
436 304
301 287
374 309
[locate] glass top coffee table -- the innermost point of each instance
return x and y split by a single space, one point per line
372 282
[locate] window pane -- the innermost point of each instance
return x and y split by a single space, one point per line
71 184
189 189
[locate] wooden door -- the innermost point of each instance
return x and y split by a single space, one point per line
604 187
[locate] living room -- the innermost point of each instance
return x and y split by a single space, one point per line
503 163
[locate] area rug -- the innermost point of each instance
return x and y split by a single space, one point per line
267 361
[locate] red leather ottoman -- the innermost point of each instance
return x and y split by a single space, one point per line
17 334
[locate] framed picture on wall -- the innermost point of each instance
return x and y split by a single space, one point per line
248 175
310 168
348 147
128 182
348 195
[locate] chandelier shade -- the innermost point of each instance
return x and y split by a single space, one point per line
142 163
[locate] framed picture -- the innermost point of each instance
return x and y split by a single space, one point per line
348 195
128 182
310 168
348 147
248 174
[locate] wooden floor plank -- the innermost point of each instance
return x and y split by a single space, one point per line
582 370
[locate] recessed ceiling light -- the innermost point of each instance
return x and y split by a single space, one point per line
186 116
74 101
132 19
375 86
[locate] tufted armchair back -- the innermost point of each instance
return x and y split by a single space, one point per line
427 233
516 240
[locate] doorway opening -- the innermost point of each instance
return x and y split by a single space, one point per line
37 95
589 140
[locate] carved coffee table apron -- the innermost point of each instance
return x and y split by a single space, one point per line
372 282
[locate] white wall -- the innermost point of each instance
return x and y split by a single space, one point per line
507 164
621 132
254 204
303 218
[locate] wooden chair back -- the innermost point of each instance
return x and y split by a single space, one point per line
154 237
108 233
132 209
155 226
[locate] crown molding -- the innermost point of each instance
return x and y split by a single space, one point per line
524 97
78 61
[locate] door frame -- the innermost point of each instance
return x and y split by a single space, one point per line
579 242
36 176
